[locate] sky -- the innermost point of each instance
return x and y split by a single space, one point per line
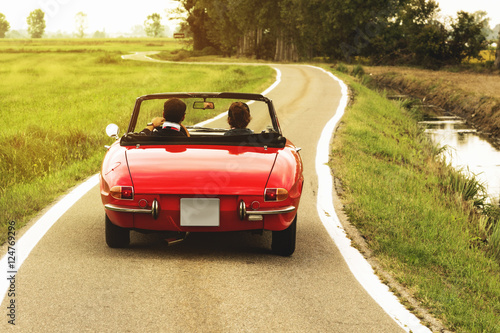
115 16
451 7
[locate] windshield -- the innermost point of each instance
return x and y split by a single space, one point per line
213 120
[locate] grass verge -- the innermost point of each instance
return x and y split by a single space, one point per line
416 213
54 107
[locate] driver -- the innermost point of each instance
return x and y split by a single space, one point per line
174 112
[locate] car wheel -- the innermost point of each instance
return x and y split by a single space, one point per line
283 242
116 236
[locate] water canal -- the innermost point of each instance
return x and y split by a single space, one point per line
466 150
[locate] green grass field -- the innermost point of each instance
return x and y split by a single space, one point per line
56 98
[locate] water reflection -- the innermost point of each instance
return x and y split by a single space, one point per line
467 149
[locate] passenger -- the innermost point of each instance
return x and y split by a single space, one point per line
238 117
174 112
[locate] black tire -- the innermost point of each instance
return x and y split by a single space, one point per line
283 242
116 237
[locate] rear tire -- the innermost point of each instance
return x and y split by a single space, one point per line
283 242
116 237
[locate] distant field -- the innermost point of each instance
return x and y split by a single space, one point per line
89 45
488 55
56 98
477 83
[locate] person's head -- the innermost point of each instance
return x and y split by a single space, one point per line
174 110
238 115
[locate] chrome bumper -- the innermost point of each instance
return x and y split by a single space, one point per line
257 214
154 210
243 213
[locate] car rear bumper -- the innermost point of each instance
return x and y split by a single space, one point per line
154 211
233 217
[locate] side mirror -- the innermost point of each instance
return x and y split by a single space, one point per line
112 131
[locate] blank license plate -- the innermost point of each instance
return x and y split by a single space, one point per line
200 212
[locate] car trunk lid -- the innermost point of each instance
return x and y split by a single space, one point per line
202 170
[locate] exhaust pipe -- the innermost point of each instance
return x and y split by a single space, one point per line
175 240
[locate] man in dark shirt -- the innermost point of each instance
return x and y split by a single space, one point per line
174 112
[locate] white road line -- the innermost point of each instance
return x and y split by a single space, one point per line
275 84
361 269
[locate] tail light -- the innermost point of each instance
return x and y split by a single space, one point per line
275 194
122 192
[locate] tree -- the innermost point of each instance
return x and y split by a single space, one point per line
482 16
99 34
36 23
467 39
340 29
153 26
196 18
225 35
429 46
424 36
4 25
409 34
81 24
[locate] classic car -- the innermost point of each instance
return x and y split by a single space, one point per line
206 181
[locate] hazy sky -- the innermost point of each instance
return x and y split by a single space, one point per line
111 15
451 7
120 16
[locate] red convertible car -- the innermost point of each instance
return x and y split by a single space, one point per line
204 180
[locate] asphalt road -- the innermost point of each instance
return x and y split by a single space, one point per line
72 282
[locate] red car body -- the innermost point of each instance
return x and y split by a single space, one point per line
203 183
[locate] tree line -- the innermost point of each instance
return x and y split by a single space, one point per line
388 32
382 31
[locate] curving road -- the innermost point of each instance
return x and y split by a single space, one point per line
72 282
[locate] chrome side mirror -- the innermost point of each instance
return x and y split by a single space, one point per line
112 131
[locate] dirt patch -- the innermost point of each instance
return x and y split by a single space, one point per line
473 96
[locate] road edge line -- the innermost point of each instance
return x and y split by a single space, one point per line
359 266
34 234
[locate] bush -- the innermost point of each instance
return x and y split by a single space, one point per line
494 241
358 71
209 50
181 55
341 68
107 58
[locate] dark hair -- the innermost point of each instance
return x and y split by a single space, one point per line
238 115
174 110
